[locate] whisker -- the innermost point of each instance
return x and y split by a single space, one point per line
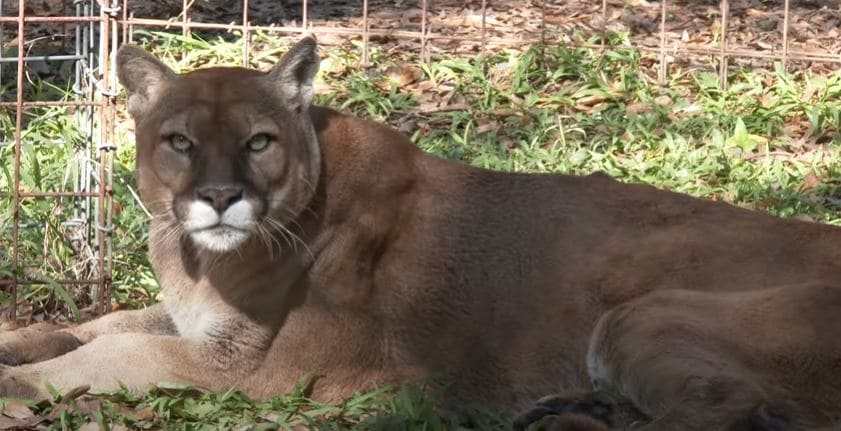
172 232
264 238
286 239
310 185
213 262
168 233
292 216
273 240
295 239
289 212
287 235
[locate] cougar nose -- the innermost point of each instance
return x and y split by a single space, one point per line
220 198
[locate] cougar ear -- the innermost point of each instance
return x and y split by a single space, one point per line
295 73
143 77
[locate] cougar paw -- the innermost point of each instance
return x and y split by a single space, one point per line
8 356
17 384
55 344
575 422
585 412
26 346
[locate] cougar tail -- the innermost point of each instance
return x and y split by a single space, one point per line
778 417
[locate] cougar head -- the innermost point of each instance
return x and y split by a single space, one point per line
224 154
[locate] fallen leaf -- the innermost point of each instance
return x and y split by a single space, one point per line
448 108
9 423
811 181
143 414
76 392
17 410
663 100
591 100
638 108
484 126
90 426
403 75
270 417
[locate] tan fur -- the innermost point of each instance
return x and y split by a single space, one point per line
407 265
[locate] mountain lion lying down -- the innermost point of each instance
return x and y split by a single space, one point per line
292 239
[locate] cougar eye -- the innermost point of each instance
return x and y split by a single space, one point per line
258 143
180 143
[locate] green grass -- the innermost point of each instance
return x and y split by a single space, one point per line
176 407
769 142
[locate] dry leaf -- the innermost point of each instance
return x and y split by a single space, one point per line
811 181
803 217
485 126
403 75
503 112
17 410
270 417
9 423
591 100
90 426
663 100
638 108
140 414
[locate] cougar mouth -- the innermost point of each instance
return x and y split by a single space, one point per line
221 227
220 238
219 232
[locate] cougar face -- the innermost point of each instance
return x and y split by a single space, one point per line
232 154
227 166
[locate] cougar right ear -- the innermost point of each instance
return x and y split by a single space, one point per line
295 73
143 77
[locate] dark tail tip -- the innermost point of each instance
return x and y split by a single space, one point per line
768 417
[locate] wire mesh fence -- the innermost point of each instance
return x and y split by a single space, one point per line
82 41
72 43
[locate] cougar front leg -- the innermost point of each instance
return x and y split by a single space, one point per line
41 342
136 361
34 343
150 320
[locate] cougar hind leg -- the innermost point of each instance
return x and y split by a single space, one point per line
663 354
724 361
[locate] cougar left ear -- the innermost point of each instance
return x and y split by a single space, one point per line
295 73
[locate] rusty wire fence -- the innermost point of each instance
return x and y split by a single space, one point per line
85 42
86 34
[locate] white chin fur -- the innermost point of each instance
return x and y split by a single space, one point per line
220 239
219 234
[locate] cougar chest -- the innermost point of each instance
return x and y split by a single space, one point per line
194 316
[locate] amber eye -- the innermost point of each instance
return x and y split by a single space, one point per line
258 143
180 143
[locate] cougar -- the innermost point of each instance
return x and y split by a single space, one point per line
290 239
